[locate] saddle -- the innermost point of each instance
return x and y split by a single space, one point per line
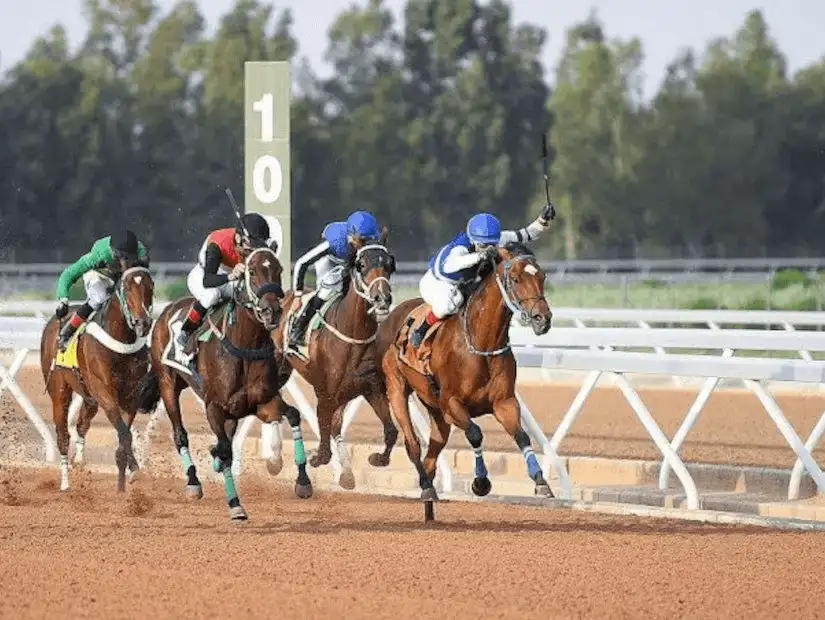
417 359
315 323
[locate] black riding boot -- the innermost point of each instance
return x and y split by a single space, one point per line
419 334
80 316
296 335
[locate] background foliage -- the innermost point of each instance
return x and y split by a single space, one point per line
424 122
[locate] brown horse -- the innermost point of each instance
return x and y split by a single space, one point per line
471 370
234 372
340 363
111 361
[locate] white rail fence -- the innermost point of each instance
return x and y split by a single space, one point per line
553 352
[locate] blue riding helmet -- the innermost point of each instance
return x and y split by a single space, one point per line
484 228
363 224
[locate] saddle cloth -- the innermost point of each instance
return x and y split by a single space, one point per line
417 359
68 358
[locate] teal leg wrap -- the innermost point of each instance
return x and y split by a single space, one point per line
229 483
298 439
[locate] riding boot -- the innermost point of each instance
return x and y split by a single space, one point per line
421 331
193 320
297 334
80 316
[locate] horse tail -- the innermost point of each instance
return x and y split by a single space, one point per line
148 392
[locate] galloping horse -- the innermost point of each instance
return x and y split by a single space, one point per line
234 372
340 361
104 364
465 368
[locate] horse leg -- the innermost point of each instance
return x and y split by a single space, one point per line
439 435
61 399
170 390
347 479
270 415
325 411
123 455
222 457
381 406
461 417
88 410
508 413
398 391
303 485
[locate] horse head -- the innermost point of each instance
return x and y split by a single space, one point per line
135 292
261 290
371 273
521 281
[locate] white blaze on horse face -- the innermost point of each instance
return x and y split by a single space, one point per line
531 269
138 279
267 263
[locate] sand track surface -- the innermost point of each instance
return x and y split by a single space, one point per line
91 553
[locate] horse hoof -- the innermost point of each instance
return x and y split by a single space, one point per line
347 480
376 459
544 490
274 465
132 476
238 514
303 491
64 487
481 486
429 495
194 491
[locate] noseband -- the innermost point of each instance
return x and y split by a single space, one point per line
362 289
253 295
120 293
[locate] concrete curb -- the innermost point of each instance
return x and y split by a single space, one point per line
736 495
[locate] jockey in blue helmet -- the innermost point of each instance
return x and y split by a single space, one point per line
332 259
454 264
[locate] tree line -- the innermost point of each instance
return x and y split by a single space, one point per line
424 122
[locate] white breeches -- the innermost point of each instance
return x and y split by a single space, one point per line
207 297
98 288
444 297
329 278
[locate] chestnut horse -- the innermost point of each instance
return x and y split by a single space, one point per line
234 372
472 370
340 363
111 361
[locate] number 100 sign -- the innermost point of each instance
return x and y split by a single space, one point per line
266 143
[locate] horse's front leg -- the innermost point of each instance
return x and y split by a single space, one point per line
461 416
224 429
271 413
381 406
270 416
347 478
88 410
508 413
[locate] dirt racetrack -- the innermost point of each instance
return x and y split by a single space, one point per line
94 554
733 429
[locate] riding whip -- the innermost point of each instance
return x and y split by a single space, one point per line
237 211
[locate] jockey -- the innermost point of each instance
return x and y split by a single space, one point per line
220 264
332 259
453 265
99 268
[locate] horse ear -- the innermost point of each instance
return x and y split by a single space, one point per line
385 233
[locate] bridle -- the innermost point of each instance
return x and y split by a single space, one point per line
253 295
120 293
515 304
361 288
